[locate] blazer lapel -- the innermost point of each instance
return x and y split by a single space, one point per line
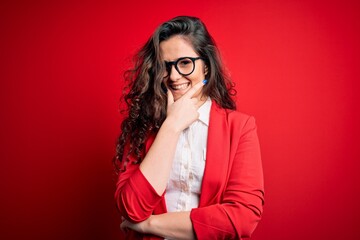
217 156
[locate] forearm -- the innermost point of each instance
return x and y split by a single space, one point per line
156 165
175 225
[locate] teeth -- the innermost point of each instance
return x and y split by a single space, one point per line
180 87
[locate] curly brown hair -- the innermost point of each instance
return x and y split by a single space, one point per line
146 99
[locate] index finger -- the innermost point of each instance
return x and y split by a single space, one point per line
195 88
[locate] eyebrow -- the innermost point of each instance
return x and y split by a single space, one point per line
181 58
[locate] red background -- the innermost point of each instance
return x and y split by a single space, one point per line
296 66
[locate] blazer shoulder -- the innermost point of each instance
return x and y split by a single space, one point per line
235 119
239 117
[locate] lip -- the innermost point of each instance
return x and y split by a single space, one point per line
179 86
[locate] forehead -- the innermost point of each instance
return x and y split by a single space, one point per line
176 47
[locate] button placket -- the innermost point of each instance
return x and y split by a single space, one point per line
183 203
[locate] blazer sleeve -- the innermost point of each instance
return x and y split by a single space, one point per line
240 208
135 197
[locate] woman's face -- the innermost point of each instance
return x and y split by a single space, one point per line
171 50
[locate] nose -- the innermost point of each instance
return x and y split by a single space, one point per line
174 74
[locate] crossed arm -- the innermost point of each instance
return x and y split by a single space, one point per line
175 225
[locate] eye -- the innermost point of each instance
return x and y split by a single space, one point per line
184 62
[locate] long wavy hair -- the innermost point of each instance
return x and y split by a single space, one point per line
146 99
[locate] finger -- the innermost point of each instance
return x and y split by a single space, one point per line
124 227
124 230
195 88
170 97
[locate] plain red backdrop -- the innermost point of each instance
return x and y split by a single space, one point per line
296 68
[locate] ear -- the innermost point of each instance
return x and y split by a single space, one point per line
206 69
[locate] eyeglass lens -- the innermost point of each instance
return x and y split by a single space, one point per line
185 66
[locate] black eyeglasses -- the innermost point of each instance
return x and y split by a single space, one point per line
184 66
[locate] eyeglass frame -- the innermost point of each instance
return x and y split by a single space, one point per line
168 65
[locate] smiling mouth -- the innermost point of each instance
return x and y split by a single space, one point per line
179 86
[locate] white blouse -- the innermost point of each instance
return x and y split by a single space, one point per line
184 185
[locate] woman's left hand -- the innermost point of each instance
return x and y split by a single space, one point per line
141 227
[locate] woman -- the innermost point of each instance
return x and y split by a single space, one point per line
189 163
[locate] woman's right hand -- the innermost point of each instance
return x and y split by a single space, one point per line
182 112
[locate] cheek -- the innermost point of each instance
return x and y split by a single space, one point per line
202 72
194 81
198 76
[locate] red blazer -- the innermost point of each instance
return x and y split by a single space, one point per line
232 189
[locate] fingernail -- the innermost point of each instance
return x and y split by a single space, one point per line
205 81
